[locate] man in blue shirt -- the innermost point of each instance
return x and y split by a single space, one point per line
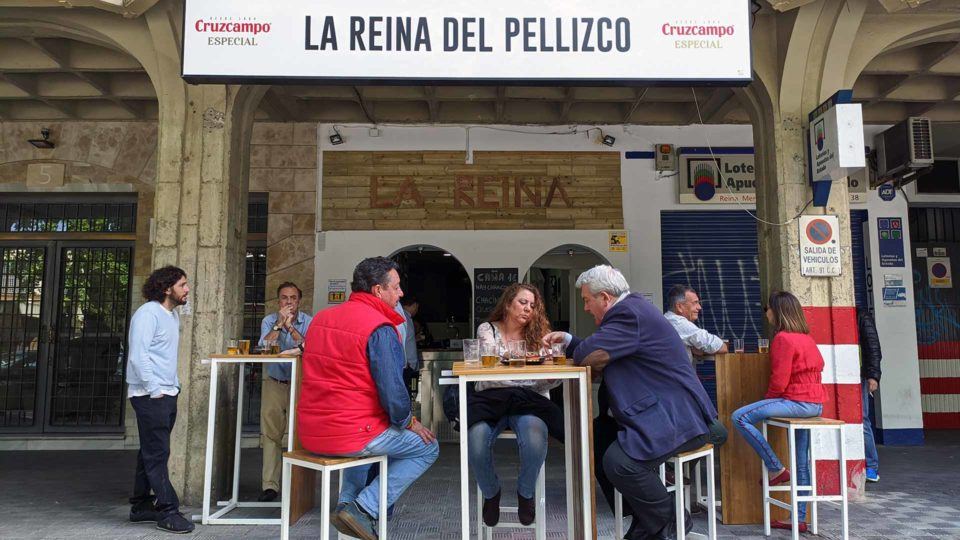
287 326
153 387
411 369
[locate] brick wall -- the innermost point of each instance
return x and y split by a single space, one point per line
283 163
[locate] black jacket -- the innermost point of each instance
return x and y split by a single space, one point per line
869 346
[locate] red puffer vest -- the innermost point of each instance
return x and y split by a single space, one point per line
339 410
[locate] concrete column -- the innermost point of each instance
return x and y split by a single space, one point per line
200 225
791 79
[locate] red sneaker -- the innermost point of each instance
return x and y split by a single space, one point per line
777 524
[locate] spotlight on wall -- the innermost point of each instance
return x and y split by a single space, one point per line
45 142
608 140
336 138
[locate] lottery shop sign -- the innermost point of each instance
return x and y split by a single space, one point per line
819 246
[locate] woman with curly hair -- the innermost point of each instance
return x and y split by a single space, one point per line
519 405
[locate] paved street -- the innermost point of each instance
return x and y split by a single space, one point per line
74 495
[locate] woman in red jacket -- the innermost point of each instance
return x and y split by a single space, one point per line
795 391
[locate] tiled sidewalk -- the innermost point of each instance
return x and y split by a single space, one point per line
83 495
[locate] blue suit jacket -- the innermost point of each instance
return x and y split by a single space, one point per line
654 392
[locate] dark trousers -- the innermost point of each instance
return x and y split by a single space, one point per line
155 419
605 431
639 482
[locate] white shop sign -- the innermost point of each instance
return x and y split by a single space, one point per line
518 40
819 246
836 142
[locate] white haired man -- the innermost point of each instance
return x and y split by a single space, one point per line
654 395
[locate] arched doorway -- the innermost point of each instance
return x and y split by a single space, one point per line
555 273
442 289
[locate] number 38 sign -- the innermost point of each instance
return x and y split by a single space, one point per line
819 246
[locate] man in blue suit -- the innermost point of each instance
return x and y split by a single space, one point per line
659 404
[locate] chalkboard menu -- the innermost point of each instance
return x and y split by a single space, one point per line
488 284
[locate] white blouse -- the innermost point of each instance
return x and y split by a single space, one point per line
491 332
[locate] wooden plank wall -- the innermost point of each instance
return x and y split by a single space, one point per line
499 190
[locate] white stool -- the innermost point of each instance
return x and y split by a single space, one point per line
681 497
327 464
540 522
792 425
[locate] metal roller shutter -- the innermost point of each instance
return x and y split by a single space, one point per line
715 252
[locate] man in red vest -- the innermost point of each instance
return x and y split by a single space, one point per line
353 398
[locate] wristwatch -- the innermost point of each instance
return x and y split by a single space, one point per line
277 327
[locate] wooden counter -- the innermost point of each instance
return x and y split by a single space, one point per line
743 379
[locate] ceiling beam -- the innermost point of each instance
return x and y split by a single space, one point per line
710 107
500 105
639 94
567 103
432 105
364 105
280 106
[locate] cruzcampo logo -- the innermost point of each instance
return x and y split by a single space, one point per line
820 134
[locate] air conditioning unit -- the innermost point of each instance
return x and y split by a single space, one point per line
904 148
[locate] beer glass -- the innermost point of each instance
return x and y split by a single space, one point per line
738 345
558 351
244 346
232 347
517 353
763 345
471 352
273 346
489 353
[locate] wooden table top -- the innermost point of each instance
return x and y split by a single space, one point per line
461 368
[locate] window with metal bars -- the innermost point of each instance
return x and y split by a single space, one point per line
67 217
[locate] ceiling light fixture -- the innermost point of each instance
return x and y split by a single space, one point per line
44 143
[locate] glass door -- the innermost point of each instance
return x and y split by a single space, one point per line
88 357
23 336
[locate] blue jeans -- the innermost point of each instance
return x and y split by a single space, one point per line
532 440
745 418
408 458
869 445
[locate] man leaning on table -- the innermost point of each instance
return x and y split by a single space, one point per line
354 401
654 395
287 326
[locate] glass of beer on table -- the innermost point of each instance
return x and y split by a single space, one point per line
271 346
517 353
558 351
489 353
232 347
763 345
471 352
244 346
738 346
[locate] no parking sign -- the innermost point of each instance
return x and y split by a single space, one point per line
938 273
819 246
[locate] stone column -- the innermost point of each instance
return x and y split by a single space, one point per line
791 79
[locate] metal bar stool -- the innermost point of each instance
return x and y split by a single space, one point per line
682 496
326 465
792 425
